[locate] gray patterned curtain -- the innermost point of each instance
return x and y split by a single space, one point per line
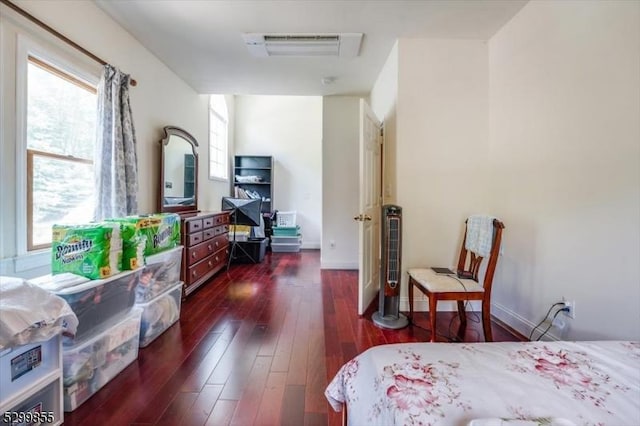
116 166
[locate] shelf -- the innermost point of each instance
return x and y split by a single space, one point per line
260 166
253 168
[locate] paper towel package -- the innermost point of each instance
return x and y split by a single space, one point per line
161 231
92 250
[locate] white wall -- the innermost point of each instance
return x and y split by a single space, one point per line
565 159
159 99
340 174
384 97
289 128
441 147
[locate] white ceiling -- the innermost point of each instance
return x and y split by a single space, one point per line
201 41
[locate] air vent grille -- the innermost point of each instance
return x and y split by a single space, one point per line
341 45
302 38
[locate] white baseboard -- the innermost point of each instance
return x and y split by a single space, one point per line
507 316
517 322
310 245
338 265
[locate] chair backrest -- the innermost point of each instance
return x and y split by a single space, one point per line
473 268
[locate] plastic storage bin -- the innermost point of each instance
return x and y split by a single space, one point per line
161 272
286 240
292 244
255 250
100 303
286 219
22 367
286 231
160 314
40 405
89 365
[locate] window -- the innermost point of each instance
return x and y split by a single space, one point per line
218 138
61 113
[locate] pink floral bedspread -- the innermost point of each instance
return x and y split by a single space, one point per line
584 383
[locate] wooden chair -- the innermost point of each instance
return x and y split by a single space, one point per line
460 287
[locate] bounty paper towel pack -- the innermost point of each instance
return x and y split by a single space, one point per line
161 231
92 250
133 245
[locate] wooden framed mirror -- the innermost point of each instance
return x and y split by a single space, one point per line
178 172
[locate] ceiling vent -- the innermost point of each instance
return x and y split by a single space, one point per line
341 45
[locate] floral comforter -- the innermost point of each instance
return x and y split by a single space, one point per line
564 383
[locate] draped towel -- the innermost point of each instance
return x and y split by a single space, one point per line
479 234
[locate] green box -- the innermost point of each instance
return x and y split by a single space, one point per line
161 231
286 231
92 250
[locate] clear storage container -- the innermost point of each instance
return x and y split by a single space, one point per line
91 364
161 272
159 314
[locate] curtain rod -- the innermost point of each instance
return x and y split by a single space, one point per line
57 34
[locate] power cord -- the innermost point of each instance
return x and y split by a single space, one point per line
546 316
551 323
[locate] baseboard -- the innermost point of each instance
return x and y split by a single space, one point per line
310 245
508 317
338 265
517 322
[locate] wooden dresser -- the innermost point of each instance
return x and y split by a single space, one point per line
206 248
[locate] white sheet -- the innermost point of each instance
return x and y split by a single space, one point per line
564 383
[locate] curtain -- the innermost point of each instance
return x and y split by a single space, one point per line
115 160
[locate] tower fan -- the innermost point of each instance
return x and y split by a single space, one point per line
388 314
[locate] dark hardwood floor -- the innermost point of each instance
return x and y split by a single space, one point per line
255 346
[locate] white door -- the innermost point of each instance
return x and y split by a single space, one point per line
369 215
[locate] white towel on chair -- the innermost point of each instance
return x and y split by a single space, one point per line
479 234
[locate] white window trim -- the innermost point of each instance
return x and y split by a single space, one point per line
26 47
226 122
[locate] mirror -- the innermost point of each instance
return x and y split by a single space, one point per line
178 172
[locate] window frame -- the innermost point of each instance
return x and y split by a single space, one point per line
214 114
81 71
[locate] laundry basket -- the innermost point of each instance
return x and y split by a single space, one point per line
286 219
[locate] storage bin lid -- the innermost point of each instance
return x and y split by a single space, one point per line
163 256
59 281
95 283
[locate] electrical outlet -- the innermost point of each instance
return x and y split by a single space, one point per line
332 244
571 305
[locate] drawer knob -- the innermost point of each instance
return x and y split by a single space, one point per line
210 264
194 274
209 247
193 254
217 243
217 259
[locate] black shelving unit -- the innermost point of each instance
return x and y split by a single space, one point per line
258 170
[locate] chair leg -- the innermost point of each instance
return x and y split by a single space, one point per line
462 328
486 320
433 302
410 300
462 313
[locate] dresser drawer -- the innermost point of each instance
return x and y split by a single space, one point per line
193 239
194 226
208 222
221 219
223 229
204 249
203 267
209 233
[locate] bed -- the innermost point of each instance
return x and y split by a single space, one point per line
487 384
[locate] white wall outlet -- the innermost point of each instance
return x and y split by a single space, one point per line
571 305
